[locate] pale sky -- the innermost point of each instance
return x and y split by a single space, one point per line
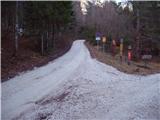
83 2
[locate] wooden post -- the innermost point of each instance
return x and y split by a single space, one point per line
113 47
104 41
121 49
97 44
129 55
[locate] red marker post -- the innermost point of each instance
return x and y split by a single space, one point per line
129 54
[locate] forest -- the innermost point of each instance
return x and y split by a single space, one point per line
33 33
137 22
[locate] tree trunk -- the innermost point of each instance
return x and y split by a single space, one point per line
16 29
51 35
47 39
138 35
54 35
42 44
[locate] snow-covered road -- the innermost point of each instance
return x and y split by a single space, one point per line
76 86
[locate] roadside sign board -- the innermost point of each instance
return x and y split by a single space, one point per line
114 42
98 38
146 57
121 40
97 34
129 47
104 39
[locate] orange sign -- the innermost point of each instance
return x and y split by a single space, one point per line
104 39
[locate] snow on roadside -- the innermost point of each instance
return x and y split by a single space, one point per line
76 86
31 86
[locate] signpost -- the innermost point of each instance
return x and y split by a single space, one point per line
121 49
20 31
146 58
113 47
98 38
129 54
104 41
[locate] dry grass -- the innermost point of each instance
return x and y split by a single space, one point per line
133 68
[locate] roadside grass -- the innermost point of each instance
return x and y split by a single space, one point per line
136 67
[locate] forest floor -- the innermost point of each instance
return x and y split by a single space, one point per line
136 67
28 56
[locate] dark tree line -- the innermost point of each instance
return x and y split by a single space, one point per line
109 18
147 25
137 22
44 20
